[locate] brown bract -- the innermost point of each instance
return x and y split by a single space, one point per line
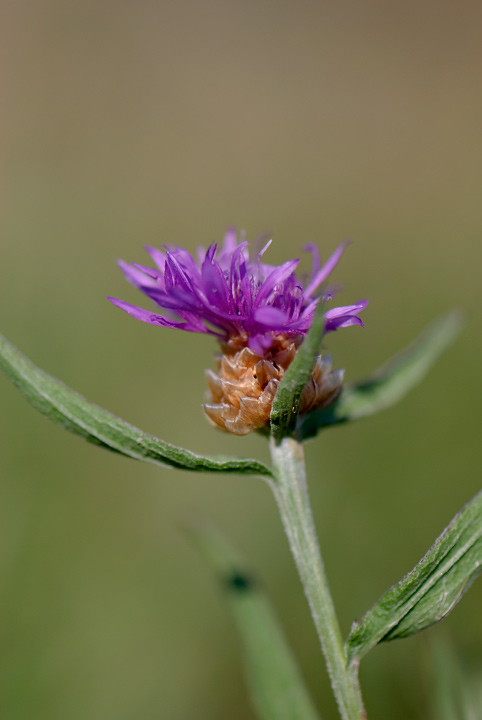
243 389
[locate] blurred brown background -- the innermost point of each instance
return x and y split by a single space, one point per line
133 123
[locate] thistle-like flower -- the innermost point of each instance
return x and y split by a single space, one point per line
259 313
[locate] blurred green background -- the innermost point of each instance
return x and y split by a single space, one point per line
134 123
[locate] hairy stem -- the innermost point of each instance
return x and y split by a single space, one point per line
291 492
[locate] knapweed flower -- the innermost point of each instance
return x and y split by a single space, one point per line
259 313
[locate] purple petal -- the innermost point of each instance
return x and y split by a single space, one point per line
211 251
136 276
276 277
215 286
303 323
229 242
146 315
263 250
346 309
158 256
327 269
180 279
259 344
154 274
270 317
313 249
186 261
342 322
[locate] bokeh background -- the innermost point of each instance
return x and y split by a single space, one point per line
133 123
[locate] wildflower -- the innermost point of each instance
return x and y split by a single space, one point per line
258 312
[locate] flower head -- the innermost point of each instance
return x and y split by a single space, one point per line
258 312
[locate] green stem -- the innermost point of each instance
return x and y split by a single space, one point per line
291 492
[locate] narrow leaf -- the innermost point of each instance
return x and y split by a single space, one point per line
430 591
391 382
69 409
286 403
276 686
449 682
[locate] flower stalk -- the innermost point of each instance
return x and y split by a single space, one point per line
291 493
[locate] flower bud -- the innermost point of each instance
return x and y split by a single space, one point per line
243 389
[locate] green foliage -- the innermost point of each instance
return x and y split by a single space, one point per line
69 409
456 686
390 383
430 591
276 686
287 400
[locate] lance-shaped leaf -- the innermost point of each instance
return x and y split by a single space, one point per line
75 413
452 688
286 403
276 686
430 591
390 383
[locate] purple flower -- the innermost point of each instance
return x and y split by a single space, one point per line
226 294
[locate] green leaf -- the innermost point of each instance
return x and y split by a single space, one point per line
430 591
286 403
65 407
390 383
449 682
276 686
